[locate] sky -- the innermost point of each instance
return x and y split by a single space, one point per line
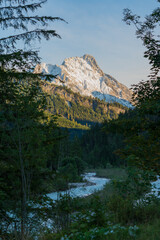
95 27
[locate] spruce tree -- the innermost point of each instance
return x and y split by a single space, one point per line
22 104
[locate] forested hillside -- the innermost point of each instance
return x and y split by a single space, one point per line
99 147
84 110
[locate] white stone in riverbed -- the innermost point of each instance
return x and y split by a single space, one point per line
156 187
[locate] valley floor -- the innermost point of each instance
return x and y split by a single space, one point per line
111 213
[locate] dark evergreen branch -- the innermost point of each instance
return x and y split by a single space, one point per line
8 10
23 60
17 55
20 22
11 2
37 31
10 42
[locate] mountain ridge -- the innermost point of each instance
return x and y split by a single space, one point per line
83 75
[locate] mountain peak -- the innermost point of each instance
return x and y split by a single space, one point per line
83 75
92 62
88 57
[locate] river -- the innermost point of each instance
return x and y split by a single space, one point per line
83 189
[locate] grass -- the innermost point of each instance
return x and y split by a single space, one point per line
113 173
150 230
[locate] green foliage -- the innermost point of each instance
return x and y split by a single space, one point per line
99 147
143 141
112 232
110 172
65 123
75 163
78 109
136 184
127 211
35 153
23 127
93 222
150 230
141 128
70 165
114 213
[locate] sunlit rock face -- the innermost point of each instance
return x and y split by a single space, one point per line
83 75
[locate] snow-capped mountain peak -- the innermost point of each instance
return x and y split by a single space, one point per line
83 75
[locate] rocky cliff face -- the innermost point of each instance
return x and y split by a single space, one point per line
83 75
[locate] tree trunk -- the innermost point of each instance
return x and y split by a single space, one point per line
23 189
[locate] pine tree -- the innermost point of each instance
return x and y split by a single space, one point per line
22 104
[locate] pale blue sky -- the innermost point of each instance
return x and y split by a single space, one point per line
95 27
